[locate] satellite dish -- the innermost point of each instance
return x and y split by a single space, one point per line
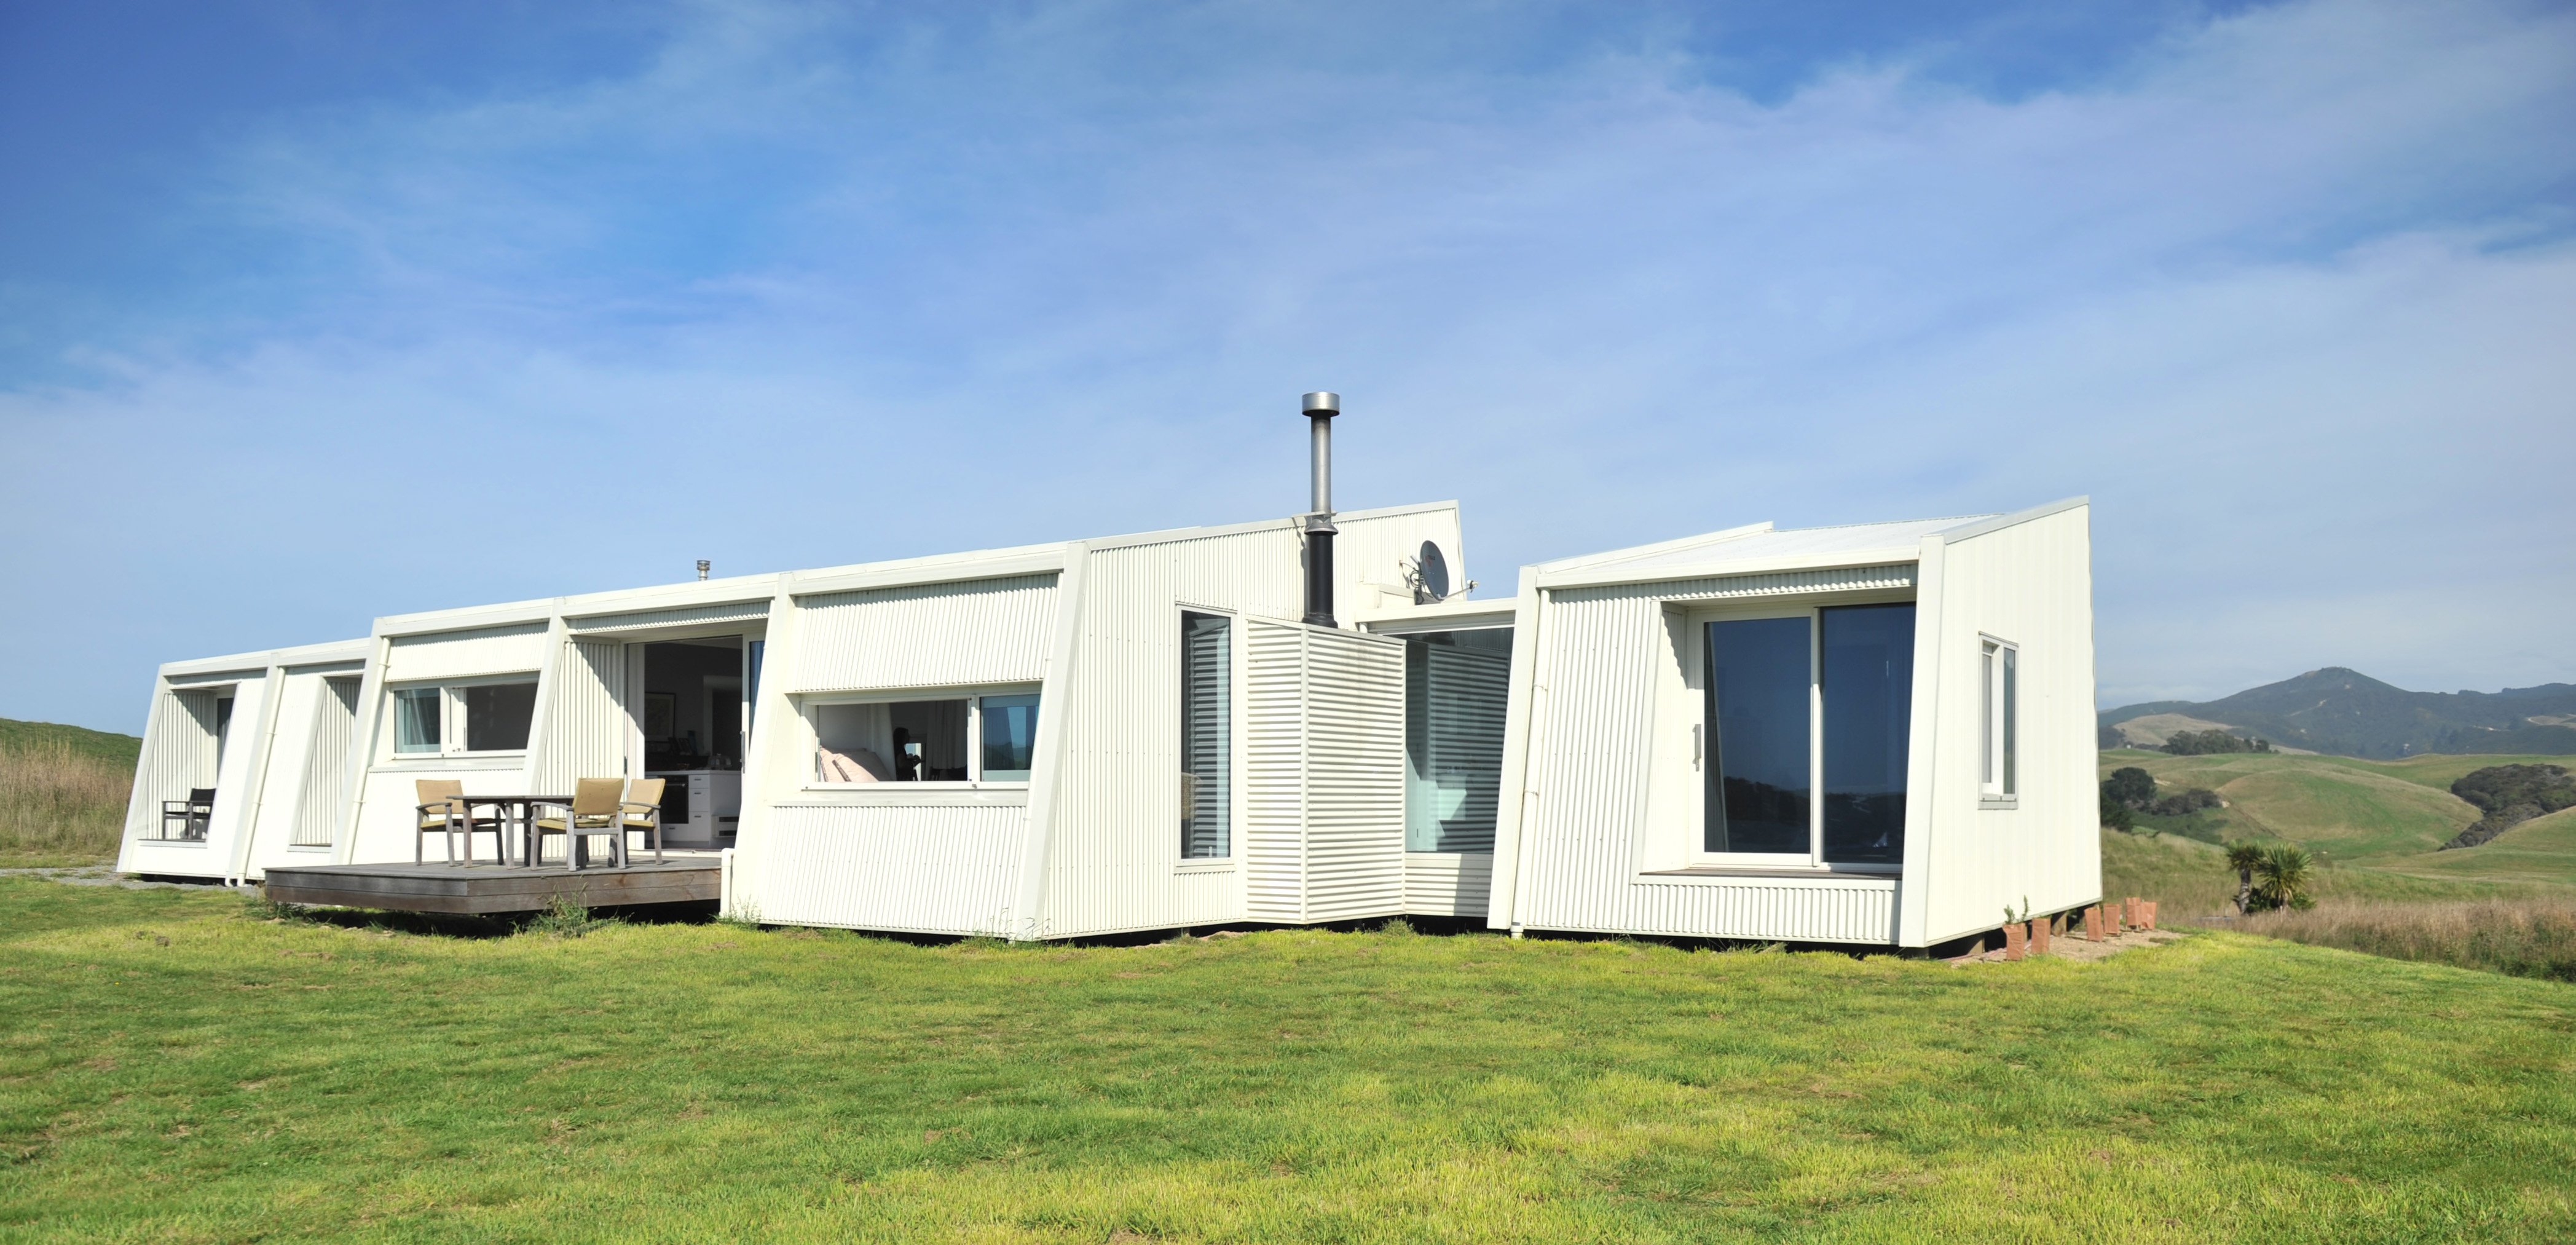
1435 572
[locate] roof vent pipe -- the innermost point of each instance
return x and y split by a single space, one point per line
1320 409
703 568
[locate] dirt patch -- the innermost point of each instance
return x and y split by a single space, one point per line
2068 947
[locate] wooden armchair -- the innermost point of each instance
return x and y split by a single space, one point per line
641 813
193 814
595 812
443 810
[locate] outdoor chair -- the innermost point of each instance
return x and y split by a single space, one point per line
444 810
193 814
642 812
595 812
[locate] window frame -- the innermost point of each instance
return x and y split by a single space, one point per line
451 715
809 707
1699 678
1236 659
1705 750
1998 722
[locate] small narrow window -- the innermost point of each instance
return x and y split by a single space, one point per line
1207 736
1999 669
1010 730
416 720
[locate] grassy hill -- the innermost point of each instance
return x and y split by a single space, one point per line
63 792
178 1068
2351 714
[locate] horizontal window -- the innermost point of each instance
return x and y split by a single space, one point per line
454 719
971 738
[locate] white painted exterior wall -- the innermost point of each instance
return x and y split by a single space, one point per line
1597 776
1602 780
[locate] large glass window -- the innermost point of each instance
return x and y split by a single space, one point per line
1759 672
416 719
497 716
1455 686
487 715
1808 722
926 740
1868 676
1207 736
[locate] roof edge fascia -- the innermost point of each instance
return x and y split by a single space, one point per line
1996 523
1603 577
332 652
1674 545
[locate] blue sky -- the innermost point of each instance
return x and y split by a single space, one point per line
314 312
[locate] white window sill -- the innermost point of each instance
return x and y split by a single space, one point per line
1204 866
308 847
194 844
1999 801
910 795
1719 875
421 762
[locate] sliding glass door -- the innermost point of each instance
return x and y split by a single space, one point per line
1819 701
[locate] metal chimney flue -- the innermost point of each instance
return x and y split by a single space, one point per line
1320 408
703 567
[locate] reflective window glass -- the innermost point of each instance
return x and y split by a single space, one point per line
1010 726
1868 674
1758 784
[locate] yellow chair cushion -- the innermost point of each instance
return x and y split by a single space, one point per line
586 822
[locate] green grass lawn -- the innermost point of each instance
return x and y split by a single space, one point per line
177 1068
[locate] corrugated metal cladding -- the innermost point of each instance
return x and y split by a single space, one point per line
1354 776
949 870
1589 764
459 654
1860 910
178 753
1274 772
325 789
691 616
1113 851
1448 883
583 724
926 635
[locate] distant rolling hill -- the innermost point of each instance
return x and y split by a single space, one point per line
2349 713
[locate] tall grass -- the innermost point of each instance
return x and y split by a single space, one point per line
57 803
2517 937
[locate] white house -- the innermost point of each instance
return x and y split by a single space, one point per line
1874 735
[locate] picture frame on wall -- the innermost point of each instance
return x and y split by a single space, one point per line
659 710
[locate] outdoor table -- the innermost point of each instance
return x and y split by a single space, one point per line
520 813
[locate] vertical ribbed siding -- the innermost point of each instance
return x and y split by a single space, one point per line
1590 770
926 635
1112 861
1274 772
1448 883
1354 776
936 870
584 722
325 789
687 616
178 753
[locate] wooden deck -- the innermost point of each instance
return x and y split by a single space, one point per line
490 889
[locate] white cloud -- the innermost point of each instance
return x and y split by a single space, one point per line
2282 295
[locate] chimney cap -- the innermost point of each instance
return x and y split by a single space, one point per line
1323 403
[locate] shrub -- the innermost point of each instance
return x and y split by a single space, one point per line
2116 815
2131 786
2212 742
2185 803
2284 878
2510 795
